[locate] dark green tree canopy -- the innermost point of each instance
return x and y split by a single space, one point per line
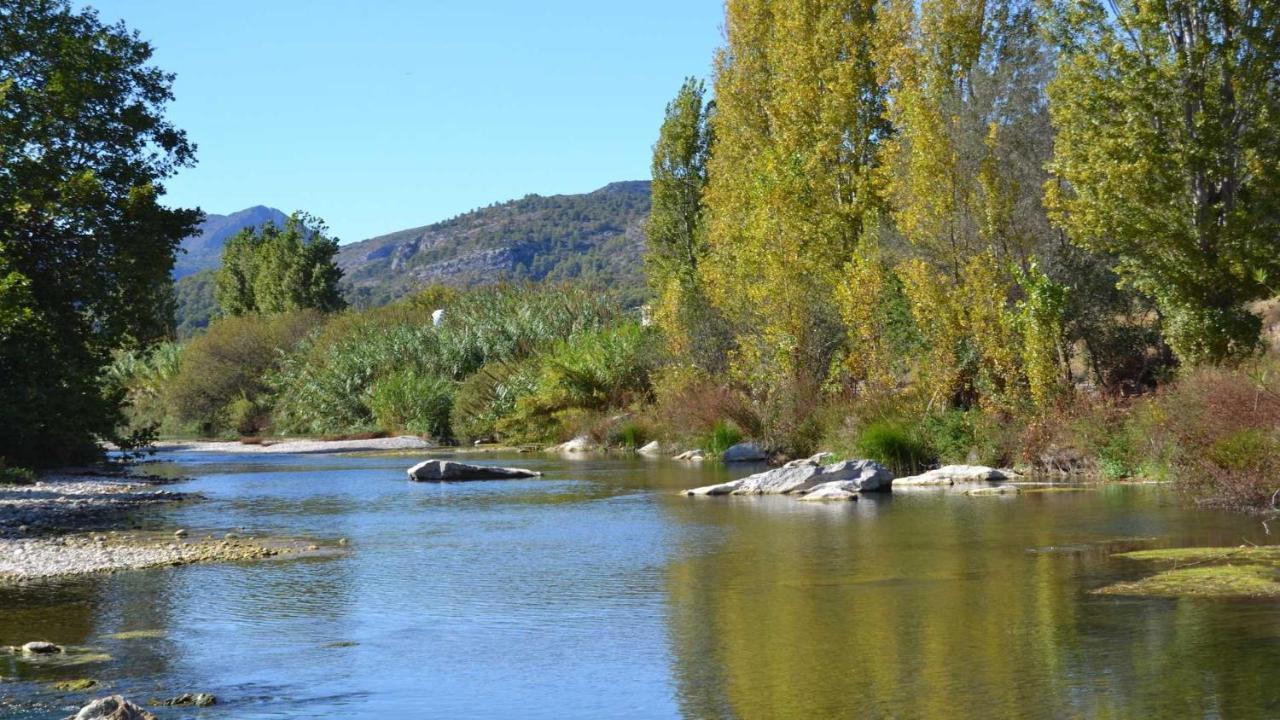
85 247
279 269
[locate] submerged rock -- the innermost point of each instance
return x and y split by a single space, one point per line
836 490
113 707
40 647
744 452
953 474
447 470
802 476
691 456
190 700
995 490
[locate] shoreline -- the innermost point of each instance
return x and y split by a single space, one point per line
297 446
74 523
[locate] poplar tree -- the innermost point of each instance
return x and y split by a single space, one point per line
1168 156
799 117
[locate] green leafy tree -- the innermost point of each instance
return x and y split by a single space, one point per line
1168 153
274 270
676 235
86 250
798 122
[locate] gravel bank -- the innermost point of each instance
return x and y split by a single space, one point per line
73 524
403 442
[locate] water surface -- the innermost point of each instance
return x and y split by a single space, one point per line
596 591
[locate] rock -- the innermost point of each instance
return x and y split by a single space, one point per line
836 490
952 474
802 476
40 647
653 448
113 707
447 470
744 452
580 444
691 456
180 533
78 685
191 700
995 490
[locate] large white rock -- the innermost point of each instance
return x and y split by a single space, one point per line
835 490
744 452
112 707
40 647
653 448
580 444
953 474
691 456
448 471
801 476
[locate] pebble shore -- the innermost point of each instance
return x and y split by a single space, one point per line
74 524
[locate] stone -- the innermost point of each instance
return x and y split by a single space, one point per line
691 456
448 470
40 647
952 474
744 452
580 444
835 490
191 700
653 448
113 707
802 476
180 533
995 490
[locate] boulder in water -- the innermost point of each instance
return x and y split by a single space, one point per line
953 474
744 452
802 476
450 471
112 707
40 647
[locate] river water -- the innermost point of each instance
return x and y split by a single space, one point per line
598 592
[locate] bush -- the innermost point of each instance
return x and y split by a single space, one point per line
895 444
723 436
414 402
229 362
688 404
488 396
966 436
1218 431
10 475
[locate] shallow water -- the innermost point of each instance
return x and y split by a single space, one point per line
598 592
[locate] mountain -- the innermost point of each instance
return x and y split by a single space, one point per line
594 237
203 251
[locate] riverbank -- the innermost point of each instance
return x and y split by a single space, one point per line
80 523
298 446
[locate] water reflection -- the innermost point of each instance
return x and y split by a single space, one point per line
596 591
931 607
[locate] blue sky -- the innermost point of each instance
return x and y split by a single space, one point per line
387 114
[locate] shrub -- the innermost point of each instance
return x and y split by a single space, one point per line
228 362
895 444
413 401
723 436
966 436
488 396
10 475
688 403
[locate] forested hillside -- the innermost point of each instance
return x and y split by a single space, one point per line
596 237
203 250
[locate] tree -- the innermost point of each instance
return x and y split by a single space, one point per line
676 234
274 270
1168 156
798 121
86 250
964 168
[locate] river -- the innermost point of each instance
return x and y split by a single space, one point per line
597 591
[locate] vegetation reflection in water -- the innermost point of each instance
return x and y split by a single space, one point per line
649 604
